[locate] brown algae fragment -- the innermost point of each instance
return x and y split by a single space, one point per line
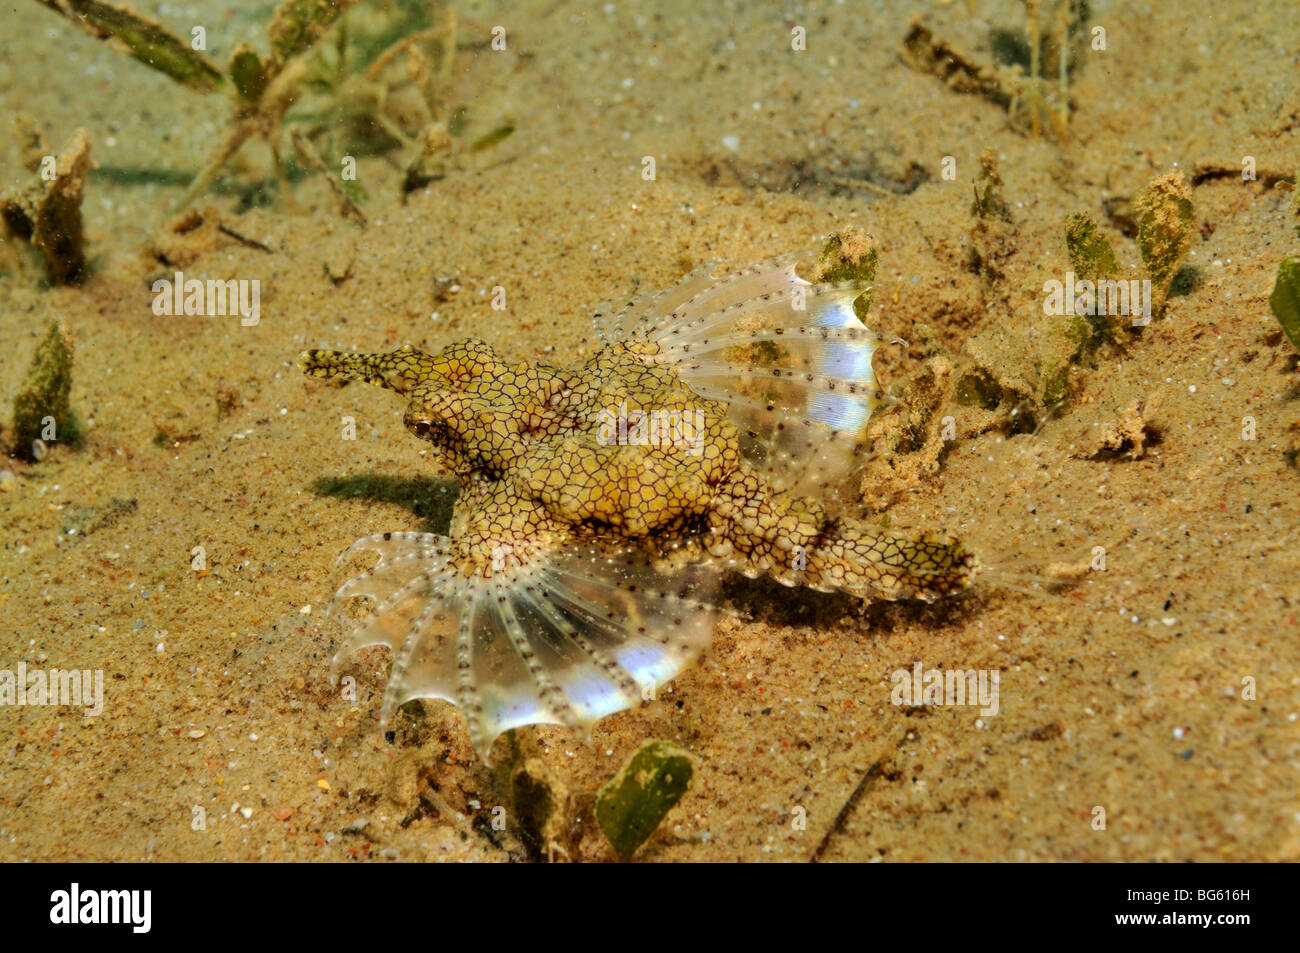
1029 367
336 100
849 255
992 234
31 141
47 214
42 408
228 401
926 54
263 90
266 89
1054 45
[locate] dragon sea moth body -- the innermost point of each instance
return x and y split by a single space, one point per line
600 505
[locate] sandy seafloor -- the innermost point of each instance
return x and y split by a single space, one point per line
1125 692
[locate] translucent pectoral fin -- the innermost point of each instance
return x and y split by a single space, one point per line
565 638
792 361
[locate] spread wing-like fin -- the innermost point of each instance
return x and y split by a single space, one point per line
566 638
790 358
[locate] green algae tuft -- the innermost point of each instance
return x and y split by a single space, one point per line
42 408
1091 256
1092 259
849 255
145 40
1166 223
299 24
1285 299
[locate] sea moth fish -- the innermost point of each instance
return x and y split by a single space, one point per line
600 506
